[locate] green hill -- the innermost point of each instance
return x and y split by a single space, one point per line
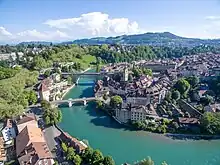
154 39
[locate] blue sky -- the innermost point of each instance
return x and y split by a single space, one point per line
58 20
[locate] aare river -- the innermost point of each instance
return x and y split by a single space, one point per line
102 132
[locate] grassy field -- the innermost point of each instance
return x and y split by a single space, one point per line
74 54
86 61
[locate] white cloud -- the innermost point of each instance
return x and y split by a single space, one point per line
34 35
212 27
96 24
101 24
87 25
213 18
4 32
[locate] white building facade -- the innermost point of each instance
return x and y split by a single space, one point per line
8 132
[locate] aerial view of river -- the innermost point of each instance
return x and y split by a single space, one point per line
102 132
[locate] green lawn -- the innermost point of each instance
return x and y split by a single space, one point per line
85 61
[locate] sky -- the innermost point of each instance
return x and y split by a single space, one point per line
62 20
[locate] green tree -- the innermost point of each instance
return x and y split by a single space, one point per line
47 120
147 72
97 156
39 63
182 86
206 100
116 101
99 104
164 163
6 72
31 96
108 160
98 68
47 73
45 104
54 114
77 160
161 128
64 147
136 72
211 122
13 96
69 80
60 116
30 78
87 155
70 153
176 95
193 80
138 125
168 98
21 99
147 161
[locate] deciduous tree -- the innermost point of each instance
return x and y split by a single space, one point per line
108 160
87 155
77 160
64 147
176 95
182 86
70 153
97 156
147 161
116 101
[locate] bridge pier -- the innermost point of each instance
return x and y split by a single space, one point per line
84 102
70 104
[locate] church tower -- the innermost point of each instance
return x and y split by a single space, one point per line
125 74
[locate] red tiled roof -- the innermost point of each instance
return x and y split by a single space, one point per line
76 142
183 120
31 146
47 82
26 119
43 87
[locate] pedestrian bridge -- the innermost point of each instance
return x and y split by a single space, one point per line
88 73
70 101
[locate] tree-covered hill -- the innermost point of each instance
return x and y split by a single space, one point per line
14 95
153 39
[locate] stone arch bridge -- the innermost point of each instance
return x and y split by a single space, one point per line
70 101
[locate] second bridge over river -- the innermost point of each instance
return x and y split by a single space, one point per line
70 101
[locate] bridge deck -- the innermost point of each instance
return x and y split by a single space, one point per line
74 100
88 73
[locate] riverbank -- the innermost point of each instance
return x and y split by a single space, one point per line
174 136
192 136
67 90
72 86
84 122
86 70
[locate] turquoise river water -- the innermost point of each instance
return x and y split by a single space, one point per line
102 132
